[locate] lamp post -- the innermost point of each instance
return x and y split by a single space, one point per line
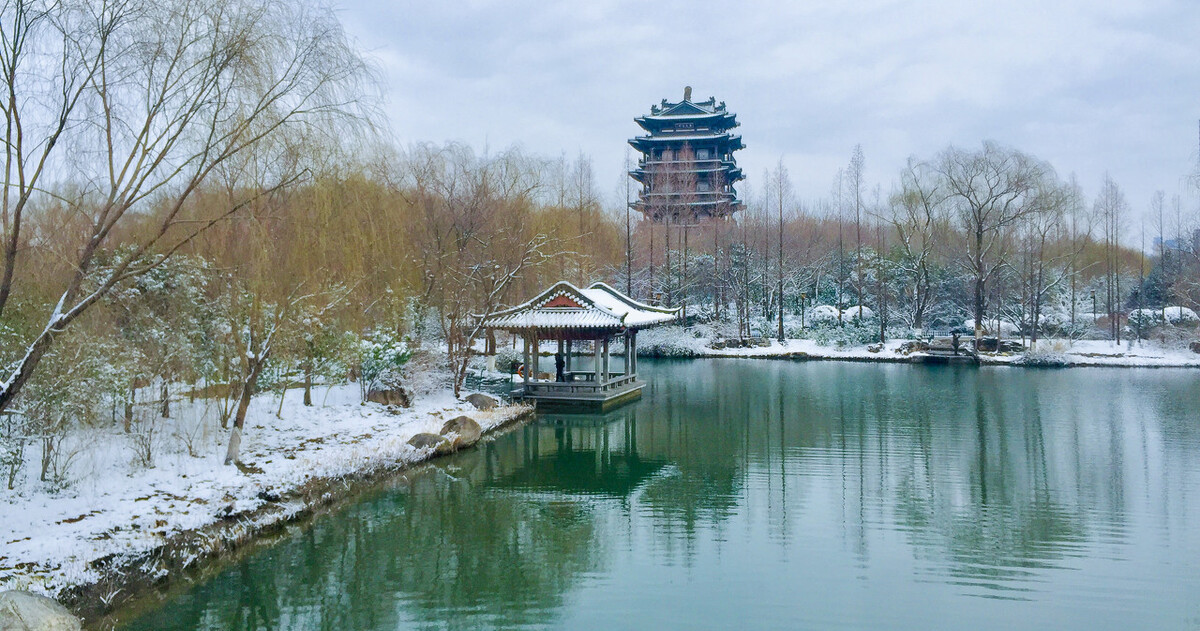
1093 308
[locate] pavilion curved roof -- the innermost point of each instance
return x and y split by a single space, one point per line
565 306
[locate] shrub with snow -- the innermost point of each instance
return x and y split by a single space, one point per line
1144 319
1043 357
1150 318
1181 315
850 314
381 358
506 356
1006 328
830 334
670 341
821 313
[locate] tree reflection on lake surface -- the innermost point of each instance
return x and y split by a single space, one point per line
782 494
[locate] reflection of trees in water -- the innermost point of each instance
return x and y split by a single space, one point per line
432 553
959 459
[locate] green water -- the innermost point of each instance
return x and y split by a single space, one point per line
773 495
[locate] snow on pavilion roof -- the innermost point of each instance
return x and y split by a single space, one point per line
565 306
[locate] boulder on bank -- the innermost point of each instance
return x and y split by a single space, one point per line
482 401
1194 347
425 440
390 395
462 431
23 611
913 346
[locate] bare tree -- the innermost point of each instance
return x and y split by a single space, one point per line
476 240
918 219
1111 207
854 179
783 193
1047 263
158 97
989 190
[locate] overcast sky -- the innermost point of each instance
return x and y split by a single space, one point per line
1088 85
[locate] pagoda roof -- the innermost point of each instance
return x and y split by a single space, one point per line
666 114
688 107
565 306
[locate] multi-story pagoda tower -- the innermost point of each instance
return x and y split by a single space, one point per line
687 169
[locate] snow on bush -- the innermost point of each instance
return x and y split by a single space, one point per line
506 356
1006 328
1174 315
850 314
844 336
1043 357
821 313
1144 319
381 357
1181 315
672 341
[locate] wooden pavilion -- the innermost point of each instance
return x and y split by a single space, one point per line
570 315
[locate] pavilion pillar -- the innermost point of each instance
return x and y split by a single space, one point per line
528 362
537 355
607 372
560 355
597 361
631 352
568 367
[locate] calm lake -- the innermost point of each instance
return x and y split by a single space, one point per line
773 495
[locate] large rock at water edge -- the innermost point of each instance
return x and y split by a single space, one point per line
462 431
425 440
913 346
393 395
482 401
23 611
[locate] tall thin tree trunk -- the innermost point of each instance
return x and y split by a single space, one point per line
239 419
308 385
166 399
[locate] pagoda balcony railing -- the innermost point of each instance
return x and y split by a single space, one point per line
644 162
686 166
696 194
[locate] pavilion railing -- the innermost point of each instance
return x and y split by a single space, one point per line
580 385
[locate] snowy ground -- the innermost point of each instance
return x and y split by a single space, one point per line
114 504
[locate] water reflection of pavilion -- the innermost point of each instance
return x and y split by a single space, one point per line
581 454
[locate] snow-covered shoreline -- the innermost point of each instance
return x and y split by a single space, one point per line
118 513
673 342
1076 353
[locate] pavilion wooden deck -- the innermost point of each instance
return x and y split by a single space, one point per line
581 392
